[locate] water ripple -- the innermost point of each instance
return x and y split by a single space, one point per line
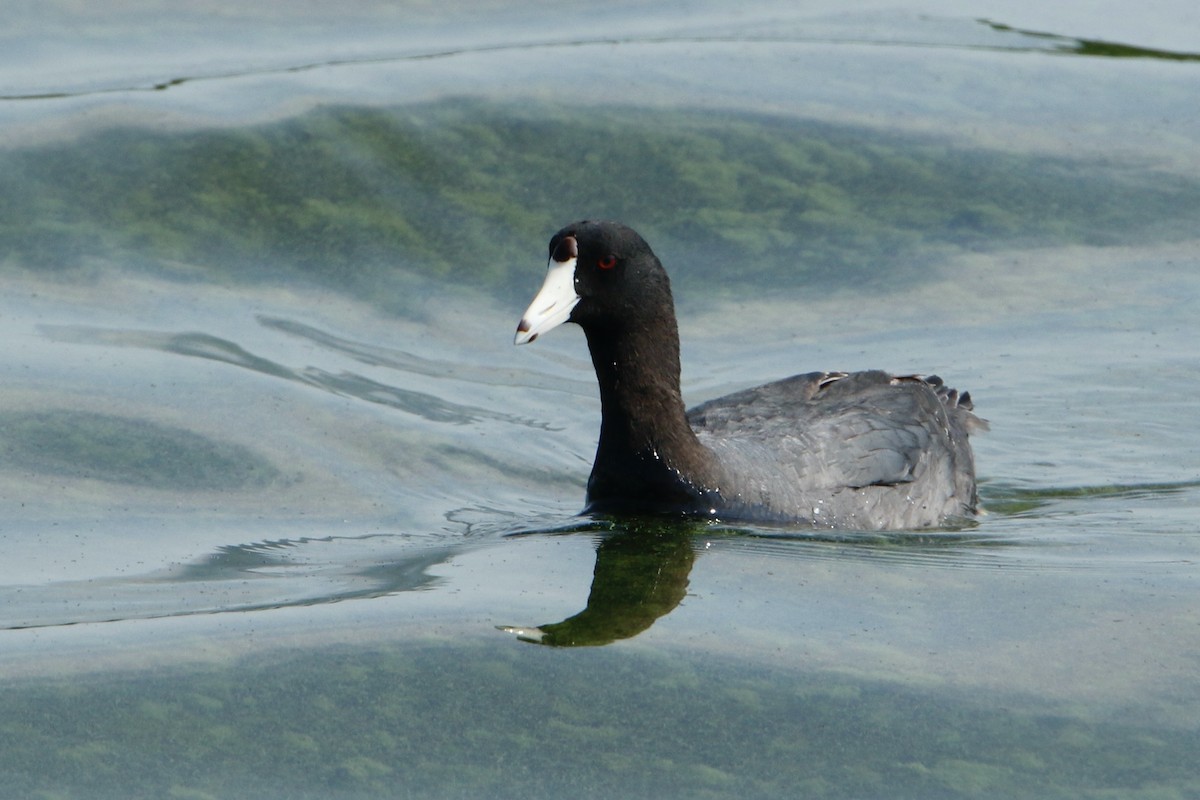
392 358
922 31
245 577
213 348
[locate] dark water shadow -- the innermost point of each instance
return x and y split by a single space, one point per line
127 450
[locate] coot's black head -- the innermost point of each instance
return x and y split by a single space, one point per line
601 274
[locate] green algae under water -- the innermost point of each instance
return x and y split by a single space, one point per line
458 190
466 719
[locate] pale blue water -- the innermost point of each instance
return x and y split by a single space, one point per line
270 495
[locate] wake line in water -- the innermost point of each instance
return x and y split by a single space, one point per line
1029 41
391 358
1011 500
1010 543
236 578
966 548
349 384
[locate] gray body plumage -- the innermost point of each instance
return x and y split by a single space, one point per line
865 450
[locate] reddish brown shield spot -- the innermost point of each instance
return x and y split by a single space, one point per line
566 249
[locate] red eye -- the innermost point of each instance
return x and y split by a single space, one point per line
608 262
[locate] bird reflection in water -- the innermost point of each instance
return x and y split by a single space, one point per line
641 574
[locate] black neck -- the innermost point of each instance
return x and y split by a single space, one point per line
645 438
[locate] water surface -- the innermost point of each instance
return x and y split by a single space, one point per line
284 510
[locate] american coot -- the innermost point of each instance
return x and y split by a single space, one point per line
863 450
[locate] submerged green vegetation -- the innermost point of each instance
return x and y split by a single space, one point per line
367 201
434 720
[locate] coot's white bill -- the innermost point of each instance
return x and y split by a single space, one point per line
553 304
